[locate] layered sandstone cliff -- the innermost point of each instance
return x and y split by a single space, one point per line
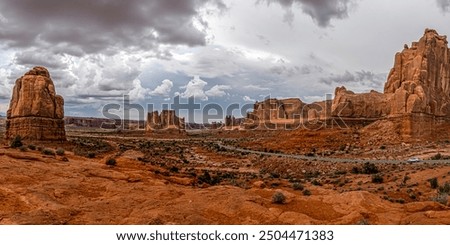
35 112
420 78
167 120
276 109
416 96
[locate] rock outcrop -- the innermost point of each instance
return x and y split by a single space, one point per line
419 82
167 120
416 95
231 121
347 104
36 112
273 109
420 78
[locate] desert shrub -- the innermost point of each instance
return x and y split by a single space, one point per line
16 142
383 147
32 147
363 222
278 198
275 175
445 189
40 148
111 162
370 168
316 182
356 170
90 155
174 169
434 183
438 156
208 179
297 186
377 178
441 198
48 152
23 148
60 151
306 192
65 159
400 200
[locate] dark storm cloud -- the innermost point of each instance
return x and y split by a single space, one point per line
444 5
362 77
98 26
321 11
33 57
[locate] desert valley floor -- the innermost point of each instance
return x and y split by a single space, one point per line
326 176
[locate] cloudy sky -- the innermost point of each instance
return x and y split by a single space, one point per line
219 51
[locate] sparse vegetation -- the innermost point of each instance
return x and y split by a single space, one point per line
23 148
16 142
48 152
377 178
297 186
438 156
434 183
90 147
278 198
32 147
60 152
306 192
441 198
111 162
370 168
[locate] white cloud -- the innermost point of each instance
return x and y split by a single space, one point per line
5 86
218 91
195 88
138 92
255 87
163 89
248 99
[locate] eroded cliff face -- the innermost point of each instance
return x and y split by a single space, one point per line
416 94
277 109
367 105
35 112
167 120
419 82
420 78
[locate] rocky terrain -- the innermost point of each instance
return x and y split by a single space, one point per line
137 180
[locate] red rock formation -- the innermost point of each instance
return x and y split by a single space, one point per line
420 78
164 121
35 111
273 109
347 104
416 95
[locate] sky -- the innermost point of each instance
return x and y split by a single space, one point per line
218 51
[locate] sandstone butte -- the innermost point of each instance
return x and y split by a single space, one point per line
416 94
36 112
166 120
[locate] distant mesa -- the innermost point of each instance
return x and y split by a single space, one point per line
36 112
416 95
164 122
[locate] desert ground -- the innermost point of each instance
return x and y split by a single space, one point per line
322 176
